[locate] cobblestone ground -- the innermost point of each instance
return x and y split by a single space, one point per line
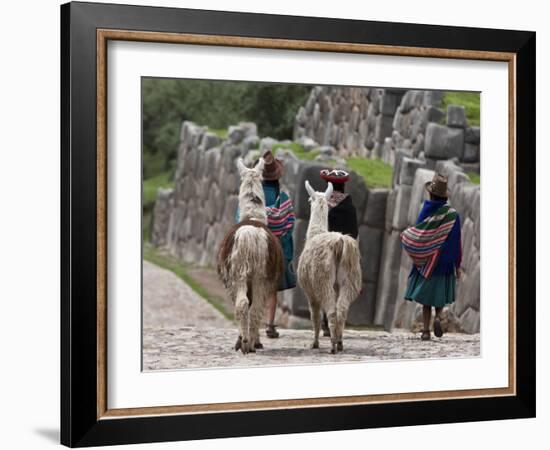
182 330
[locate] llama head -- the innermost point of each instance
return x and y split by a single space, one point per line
251 193
319 205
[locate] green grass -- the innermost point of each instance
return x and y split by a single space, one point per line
298 150
474 177
469 100
220 132
180 270
375 172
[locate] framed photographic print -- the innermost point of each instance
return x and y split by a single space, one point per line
276 224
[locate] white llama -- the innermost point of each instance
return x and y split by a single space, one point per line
250 259
329 270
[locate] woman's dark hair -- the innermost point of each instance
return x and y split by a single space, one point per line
437 197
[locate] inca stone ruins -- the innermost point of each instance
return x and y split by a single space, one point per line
404 128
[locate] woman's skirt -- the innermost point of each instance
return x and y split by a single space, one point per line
288 281
438 290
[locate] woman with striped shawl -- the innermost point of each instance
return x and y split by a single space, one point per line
280 220
434 245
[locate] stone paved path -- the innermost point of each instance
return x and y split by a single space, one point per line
168 302
181 330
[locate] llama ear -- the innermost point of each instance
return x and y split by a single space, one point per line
260 166
309 189
329 190
240 166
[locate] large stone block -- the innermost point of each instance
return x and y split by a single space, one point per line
443 142
389 103
357 189
383 151
403 313
375 211
409 166
433 98
463 197
162 211
266 144
390 208
361 311
472 135
370 247
310 172
250 142
389 271
307 143
400 216
384 128
470 321
411 99
418 193
299 303
471 153
400 153
250 128
456 116
433 114
209 140
299 238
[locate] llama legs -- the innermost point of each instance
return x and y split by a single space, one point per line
257 311
341 316
241 314
330 309
315 311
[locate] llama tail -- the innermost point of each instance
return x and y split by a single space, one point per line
248 252
348 272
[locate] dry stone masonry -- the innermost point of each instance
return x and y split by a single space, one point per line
405 128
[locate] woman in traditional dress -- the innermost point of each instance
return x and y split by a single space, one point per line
280 220
434 244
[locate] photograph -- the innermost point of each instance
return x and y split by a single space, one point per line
292 224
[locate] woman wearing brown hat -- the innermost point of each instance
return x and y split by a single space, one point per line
434 244
280 220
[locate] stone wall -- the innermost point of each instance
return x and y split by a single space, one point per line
377 123
402 127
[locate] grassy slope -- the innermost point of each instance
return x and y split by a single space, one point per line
375 172
469 100
298 150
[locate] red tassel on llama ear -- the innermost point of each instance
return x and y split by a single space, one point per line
329 190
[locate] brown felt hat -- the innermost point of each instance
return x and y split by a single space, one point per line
438 186
273 168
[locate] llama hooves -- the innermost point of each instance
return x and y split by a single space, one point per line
245 348
258 345
338 347
238 344
315 344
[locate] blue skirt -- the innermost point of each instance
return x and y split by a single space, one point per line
288 281
438 290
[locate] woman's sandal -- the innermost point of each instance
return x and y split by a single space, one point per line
438 331
271 332
425 335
